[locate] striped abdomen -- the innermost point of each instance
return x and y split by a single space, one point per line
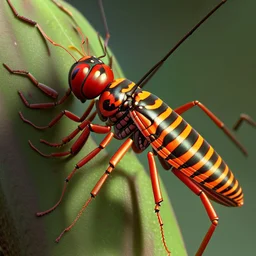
185 149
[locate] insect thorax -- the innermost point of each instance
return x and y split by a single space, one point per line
114 107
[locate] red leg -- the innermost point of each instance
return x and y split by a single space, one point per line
157 195
64 9
244 117
44 105
214 118
112 164
81 163
66 113
34 23
207 205
44 88
87 127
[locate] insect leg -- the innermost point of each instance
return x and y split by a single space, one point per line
34 23
64 9
214 118
157 195
244 117
46 104
86 128
81 163
112 164
66 113
44 88
207 205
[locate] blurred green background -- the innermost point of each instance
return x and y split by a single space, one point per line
216 66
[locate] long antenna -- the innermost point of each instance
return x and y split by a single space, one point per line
158 64
107 36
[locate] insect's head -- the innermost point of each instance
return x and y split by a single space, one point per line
89 77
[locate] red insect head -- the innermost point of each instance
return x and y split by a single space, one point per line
89 77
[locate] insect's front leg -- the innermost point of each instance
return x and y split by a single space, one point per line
86 127
66 113
42 87
80 164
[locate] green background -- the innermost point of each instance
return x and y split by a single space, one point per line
216 66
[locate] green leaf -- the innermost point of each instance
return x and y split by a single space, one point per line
121 220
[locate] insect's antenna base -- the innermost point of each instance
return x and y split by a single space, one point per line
179 43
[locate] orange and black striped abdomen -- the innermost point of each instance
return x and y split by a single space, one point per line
185 149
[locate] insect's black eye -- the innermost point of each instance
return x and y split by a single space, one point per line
107 106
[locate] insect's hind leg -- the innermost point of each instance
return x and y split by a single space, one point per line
207 205
244 118
214 118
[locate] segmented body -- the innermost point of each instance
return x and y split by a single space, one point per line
150 121
185 149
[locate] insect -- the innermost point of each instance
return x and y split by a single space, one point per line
142 120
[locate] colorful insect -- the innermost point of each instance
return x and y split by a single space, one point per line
142 120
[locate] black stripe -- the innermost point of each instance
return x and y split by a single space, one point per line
186 144
223 182
173 135
238 194
165 123
207 166
198 156
229 187
217 173
122 85
234 192
150 114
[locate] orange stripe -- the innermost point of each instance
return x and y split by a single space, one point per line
204 160
240 198
231 190
116 82
157 104
192 151
237 193
130 86
170 128
207 174
174 144
152 129
227 184
142 95
221 177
